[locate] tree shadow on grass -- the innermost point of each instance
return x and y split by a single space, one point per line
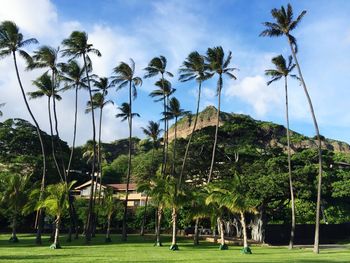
31 257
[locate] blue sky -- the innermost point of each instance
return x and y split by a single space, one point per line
144 29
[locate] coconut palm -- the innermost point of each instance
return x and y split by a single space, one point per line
231 195
125 76
1 105
126 114
72 74
11 43
109 206
47 57
45 88
14 193
157 66
284 24
152 131
164 91
283 70
77 46
219 64
56 204
194 67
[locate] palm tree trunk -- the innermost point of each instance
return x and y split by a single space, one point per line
100 154
42 186
108 236
216 131
14 238
319 185
56 242
52 138
196 233
174 218
174 150
292 231
222 233
124 231
74 129
142 231
244 228
158 226
91 197
191 135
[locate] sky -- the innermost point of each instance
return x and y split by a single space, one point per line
142 30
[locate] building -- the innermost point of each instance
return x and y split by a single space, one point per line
135 198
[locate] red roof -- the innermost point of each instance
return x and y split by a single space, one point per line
121 187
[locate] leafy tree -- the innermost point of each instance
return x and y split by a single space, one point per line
77 46
219 64
283 70
1 105
283 26
109 205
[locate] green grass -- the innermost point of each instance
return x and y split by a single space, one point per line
139 249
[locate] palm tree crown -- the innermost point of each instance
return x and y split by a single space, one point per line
194 67
157 66
283 69
77 45
44 85
152 130
174 110
125 112
45 57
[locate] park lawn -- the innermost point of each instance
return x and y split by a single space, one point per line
141 249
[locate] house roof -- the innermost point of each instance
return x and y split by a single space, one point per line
121 187
87 184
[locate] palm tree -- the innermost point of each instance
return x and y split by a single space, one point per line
283 70
125 76
152 131
283 26
1 105
77 46
72 74
218 63
11 42
109 206
15 192
232 195
157 66
47 57
45 88
126 114
55 204
193 67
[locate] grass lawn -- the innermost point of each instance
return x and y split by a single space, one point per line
139 249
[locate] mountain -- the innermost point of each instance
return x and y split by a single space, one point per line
274 134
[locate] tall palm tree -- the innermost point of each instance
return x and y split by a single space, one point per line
283 70
283 25
1 105
157 66
126 114
164 91
47 57
219 64
77 46
45 88
194 67
11 43
56 204
152 131
231 194
174 111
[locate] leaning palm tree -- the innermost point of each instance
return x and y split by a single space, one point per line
11 43
77 46
45 88
152 131
157 66
56 204
283 70
283 25
126 114
219 64
47 57
194 67
1 105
